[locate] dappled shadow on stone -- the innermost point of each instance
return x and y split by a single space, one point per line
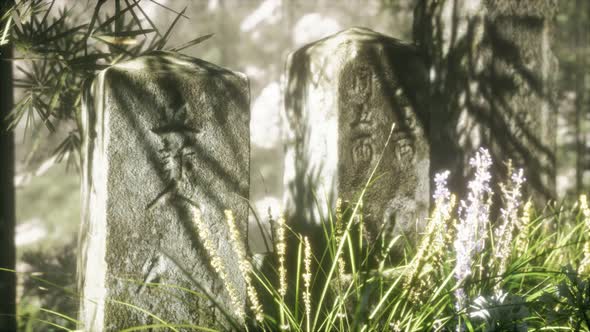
343 94
176 139
491 84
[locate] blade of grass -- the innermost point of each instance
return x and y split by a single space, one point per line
156 326
298 273
211 298
68 318
166 324
53 324
346 231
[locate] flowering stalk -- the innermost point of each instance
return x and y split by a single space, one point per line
474 216
307 281
509 216
216 262
281 246
434 241
522 229
585 264
339 231
244 265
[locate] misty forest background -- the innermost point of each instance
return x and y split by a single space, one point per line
253 37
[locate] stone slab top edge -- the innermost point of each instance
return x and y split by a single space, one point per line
165 61
354 36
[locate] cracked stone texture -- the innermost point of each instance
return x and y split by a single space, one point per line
163 134
343 93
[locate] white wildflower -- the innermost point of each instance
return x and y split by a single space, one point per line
395 326
442 191
474 217
307 280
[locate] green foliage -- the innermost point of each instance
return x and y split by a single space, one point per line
340 281
542 288
539 290
58 51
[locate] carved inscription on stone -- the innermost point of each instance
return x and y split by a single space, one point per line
359 96
340 124
163 133
356 91
176 136
404 135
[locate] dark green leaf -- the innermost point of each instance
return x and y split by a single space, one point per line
192 42
115 17
170 9
87 62
147 18
93 19
135 18
162 42
130 33
66 33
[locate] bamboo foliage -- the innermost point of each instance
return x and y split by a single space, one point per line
57 51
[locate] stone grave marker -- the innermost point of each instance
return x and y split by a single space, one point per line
164 135
343 93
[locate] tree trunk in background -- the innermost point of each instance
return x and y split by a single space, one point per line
580 118
7 210
492 78
580 88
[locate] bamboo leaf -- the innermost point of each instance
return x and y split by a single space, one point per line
93 56
93 21
63 34
47 12
147 18
116 46
132 33
55 97
162 42
115 40
135 18
123 38
4 39
114 17
192 43
170 9
62 17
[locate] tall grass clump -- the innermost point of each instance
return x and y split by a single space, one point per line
525 270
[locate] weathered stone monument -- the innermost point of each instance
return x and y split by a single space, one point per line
164 135
492 77
343 93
